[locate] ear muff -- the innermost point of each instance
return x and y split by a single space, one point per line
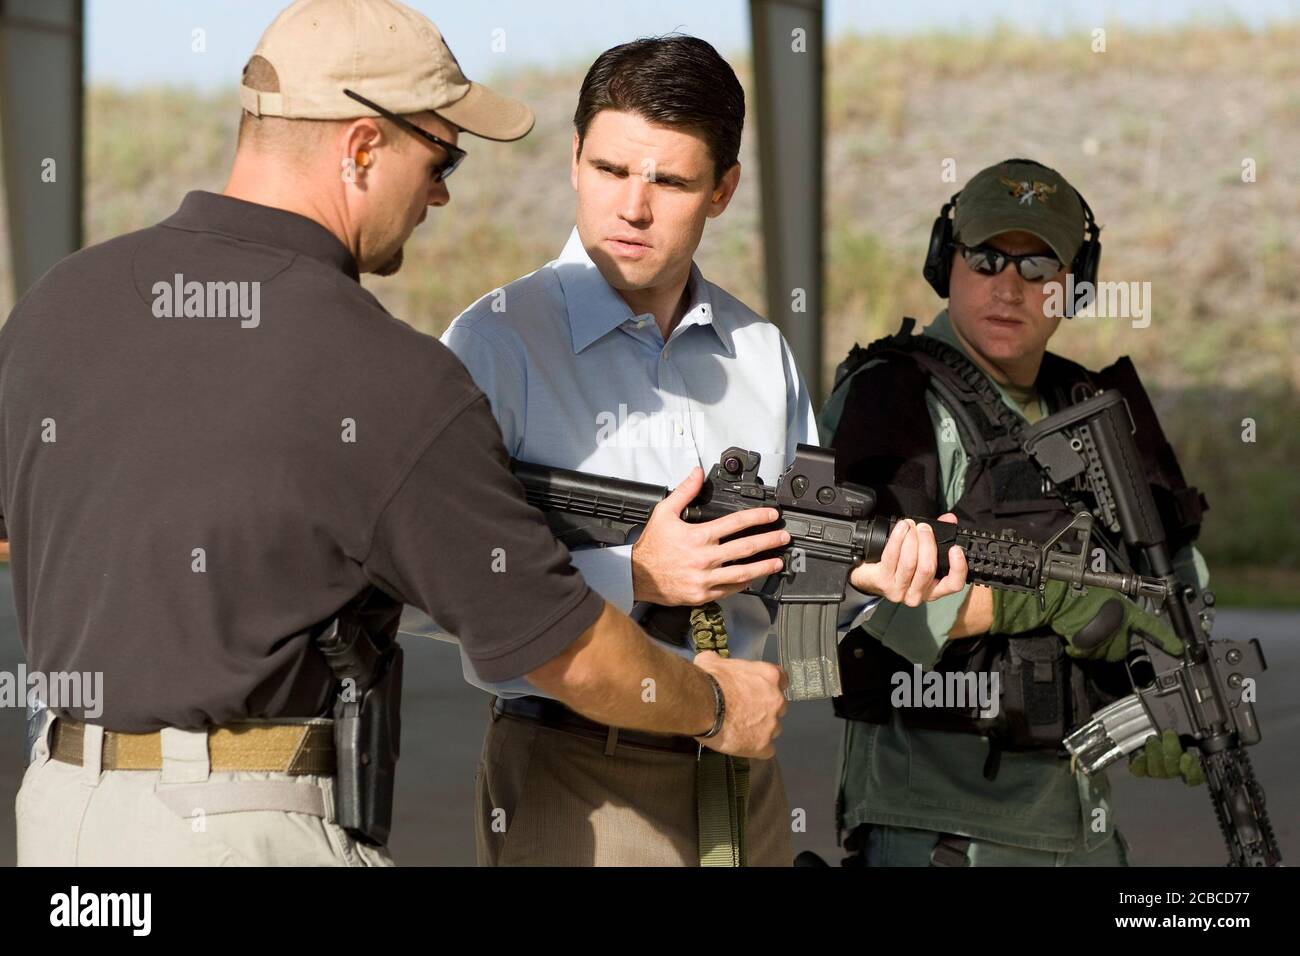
1086 263
938 257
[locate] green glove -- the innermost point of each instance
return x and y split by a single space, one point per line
1165 758
1069 612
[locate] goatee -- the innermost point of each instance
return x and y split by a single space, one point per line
392 265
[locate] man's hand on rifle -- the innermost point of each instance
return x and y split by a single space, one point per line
1096 623
679 563
1164 758
905 573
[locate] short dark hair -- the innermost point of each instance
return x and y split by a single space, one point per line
677 81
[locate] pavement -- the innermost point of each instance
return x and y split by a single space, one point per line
442 729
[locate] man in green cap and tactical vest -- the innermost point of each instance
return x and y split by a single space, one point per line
956 785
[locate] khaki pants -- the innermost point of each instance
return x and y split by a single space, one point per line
183 815
552 797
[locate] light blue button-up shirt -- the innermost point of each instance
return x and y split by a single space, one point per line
576 380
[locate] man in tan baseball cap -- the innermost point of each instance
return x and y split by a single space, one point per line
291 465
382 50
352 109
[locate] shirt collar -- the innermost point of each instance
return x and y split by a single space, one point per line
595 309
941 329
211 212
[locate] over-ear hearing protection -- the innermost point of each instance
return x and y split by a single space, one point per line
938 257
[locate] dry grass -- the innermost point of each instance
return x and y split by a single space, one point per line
1153 132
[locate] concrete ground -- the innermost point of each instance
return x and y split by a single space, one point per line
443 718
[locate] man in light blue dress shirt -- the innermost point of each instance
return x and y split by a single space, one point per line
620 358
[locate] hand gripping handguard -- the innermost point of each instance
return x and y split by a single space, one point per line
832 529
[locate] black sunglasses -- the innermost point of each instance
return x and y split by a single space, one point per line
989 261
455 155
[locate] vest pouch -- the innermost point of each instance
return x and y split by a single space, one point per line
1036 692
865 669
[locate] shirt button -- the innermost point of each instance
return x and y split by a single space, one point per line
680 430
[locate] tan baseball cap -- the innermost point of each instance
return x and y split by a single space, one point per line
386 52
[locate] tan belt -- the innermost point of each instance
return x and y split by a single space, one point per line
276 748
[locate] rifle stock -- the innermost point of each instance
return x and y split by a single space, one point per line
1204 697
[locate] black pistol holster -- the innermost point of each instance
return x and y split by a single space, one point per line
361 648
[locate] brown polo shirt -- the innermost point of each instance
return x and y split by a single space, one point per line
212 437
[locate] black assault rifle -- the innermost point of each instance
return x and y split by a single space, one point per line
832 529
1207 695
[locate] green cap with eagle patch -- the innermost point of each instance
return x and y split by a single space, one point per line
1021 196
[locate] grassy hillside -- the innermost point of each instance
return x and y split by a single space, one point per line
1153 131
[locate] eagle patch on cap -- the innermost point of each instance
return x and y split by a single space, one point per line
1026 193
